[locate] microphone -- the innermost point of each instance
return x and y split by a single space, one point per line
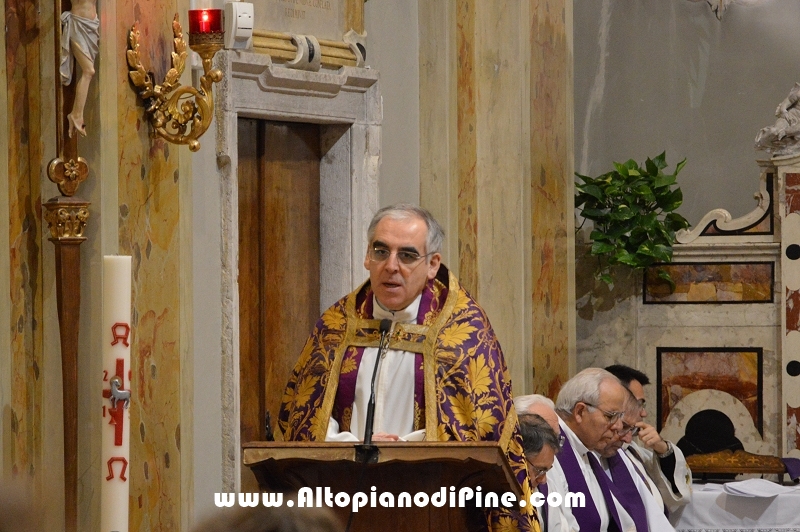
385 327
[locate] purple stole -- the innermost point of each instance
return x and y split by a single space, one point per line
624 489
636 455
545 507
588 517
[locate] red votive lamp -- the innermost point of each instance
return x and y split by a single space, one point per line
205 21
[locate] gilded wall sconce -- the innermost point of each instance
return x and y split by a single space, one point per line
181 114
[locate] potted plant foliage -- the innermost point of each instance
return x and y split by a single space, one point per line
633 210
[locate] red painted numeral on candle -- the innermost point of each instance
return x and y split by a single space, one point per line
105 375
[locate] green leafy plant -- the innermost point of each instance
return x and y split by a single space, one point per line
632 208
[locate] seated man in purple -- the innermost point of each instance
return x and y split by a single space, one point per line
662 463
540 443
590 407
443 376
629 488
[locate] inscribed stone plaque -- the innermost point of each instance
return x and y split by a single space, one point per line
324 19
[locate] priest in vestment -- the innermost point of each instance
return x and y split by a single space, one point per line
443 376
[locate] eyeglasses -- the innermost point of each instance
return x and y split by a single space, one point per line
611 417
539 471
633 430
406 258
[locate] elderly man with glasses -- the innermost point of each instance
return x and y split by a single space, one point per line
442 376
626 484
590 407
661 463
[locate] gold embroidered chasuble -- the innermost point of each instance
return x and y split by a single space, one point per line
467 390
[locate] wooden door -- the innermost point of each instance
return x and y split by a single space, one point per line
279 250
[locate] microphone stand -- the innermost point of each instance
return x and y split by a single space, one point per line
367 452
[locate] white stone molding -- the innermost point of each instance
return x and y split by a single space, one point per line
682 412
358 45
309 53
727 252
725 222
347 103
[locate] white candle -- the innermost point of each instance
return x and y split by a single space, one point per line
116 422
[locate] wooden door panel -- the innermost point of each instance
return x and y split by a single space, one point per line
252 403
290 248
279 250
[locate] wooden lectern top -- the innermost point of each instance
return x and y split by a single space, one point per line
409 467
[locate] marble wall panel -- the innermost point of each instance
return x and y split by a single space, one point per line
502 175
711 316
711 283
149 222
688 370
606 316
5 279
792 429
792 310
25 234
467 140
437 121
506 102
719 337
552 190
792 189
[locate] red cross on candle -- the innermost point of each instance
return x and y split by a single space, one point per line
117 413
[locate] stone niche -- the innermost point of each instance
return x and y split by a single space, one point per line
346 103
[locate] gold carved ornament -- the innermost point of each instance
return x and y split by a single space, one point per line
66 220
179 114
68 174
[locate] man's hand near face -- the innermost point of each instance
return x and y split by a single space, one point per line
651 438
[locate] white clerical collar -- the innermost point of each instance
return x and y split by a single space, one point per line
406 315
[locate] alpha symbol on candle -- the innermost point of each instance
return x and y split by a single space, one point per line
117 411
111 461
120 331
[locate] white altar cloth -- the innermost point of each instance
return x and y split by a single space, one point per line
713 510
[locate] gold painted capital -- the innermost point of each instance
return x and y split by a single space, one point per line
68 174
66 217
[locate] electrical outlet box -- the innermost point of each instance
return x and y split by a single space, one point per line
238 25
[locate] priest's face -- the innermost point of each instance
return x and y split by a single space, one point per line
398 261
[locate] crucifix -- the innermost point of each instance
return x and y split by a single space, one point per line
67 214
